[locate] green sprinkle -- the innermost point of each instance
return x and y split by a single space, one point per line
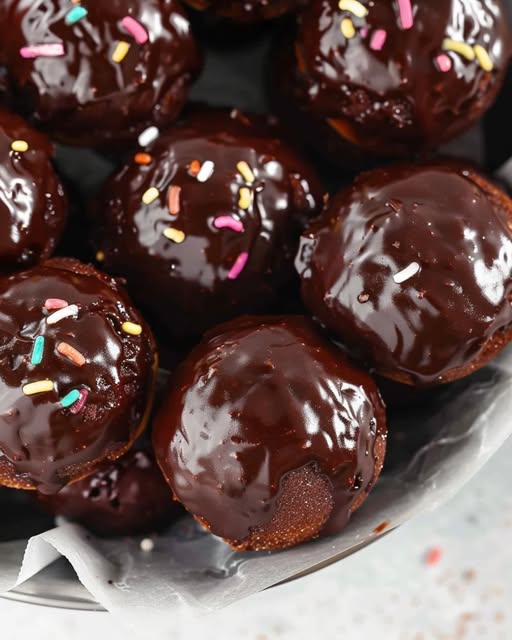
70 399
76 14
37 351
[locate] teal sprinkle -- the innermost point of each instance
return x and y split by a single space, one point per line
70 399
76 14
37 351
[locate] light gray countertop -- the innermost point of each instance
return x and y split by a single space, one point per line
387 591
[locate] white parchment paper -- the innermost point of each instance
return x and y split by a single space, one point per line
434 450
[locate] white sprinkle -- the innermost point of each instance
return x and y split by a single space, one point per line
205 171
59 315
147 545
407 273
148 136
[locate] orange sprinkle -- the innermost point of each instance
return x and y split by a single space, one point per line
143 158
71 353
174 200
194 168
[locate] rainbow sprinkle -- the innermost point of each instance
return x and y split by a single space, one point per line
71 310
135 29
70 398
38 350
406 17
378 40
55 303
174 200
71 353
148 136
347 28
143 158
462 48
239 266
21 146
175 235
206 171
80 403
444 62
228 222
121 51
355 7
41 386
245 199
245 171
131 328
150 195
75 14
484 59
50 50
407 273
194 168
100 256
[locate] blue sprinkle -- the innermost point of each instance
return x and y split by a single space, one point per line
37 351
76 14
70 399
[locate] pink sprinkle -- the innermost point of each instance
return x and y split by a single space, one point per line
239 265
364 32
406 17
80 403
43 51
52 304
378 40
444 62
223 222
135 29
433 556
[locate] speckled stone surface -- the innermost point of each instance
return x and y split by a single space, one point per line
387 591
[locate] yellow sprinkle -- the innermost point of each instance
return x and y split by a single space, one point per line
121 51
175 235
245 199
132 328
100 256
484 59
19 145
151 195
42 386
347 28
245 171
354 7
459 47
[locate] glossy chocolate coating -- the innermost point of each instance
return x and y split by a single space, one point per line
450 229
85 97
389 90
247 10
44 445
125 498
191 284
259 399
33 206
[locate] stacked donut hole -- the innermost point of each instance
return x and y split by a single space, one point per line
277 307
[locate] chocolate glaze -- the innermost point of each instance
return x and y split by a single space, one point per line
33 205
395 100
439 322
42 444
125 498
84 97
189 286
257 400
247 10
